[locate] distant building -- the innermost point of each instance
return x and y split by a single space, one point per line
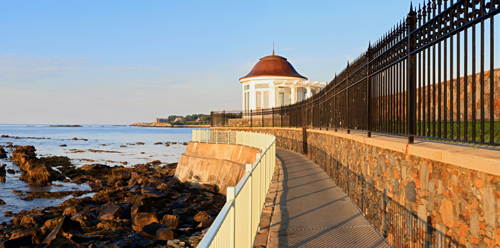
178 119
160 120
273 82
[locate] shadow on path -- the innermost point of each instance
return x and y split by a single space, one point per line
311 211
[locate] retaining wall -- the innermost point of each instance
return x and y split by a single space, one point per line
219 164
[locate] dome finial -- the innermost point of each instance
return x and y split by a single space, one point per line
273 48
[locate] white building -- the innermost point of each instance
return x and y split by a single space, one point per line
273 82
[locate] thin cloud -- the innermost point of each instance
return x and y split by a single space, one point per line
41 62
184 79
288 49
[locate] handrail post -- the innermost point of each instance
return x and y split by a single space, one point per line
231 194
250 201
259 177
412 78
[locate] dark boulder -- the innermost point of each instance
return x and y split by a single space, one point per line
65 226
171 221
63 242
152 228
119 244
18 242
164 234
35 233
3 154
210 187
115 211
140 220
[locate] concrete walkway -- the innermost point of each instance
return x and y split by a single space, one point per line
311 211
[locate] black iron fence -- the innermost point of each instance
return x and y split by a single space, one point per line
400 226
432 75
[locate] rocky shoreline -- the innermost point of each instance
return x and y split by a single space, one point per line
139 206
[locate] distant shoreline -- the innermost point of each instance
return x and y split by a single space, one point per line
166 125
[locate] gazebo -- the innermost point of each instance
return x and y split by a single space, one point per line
273 82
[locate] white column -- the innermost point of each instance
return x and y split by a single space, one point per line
293 94
309 92
243 97
253 101
272 95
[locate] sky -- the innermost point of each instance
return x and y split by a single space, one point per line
120 62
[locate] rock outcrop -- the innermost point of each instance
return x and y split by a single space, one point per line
34 171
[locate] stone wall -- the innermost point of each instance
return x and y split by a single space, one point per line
396 104
461 204
256 121
218 164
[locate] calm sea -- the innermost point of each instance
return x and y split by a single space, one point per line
106 144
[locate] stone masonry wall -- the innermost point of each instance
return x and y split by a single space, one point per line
462 205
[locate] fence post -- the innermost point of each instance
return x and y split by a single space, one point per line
281 115
251 118
296 116
211 118
368 92
412 77
262 114
272 114
231 191
347 97
224 117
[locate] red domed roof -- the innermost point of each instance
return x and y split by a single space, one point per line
273 65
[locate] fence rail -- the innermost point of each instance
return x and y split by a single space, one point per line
432 76
238 221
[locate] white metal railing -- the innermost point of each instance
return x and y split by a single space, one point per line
238 222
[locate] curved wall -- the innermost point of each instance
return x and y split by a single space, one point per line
219 164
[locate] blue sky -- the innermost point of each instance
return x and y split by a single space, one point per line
119 62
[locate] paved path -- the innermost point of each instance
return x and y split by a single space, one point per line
311 211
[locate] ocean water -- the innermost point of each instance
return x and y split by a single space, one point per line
106 144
